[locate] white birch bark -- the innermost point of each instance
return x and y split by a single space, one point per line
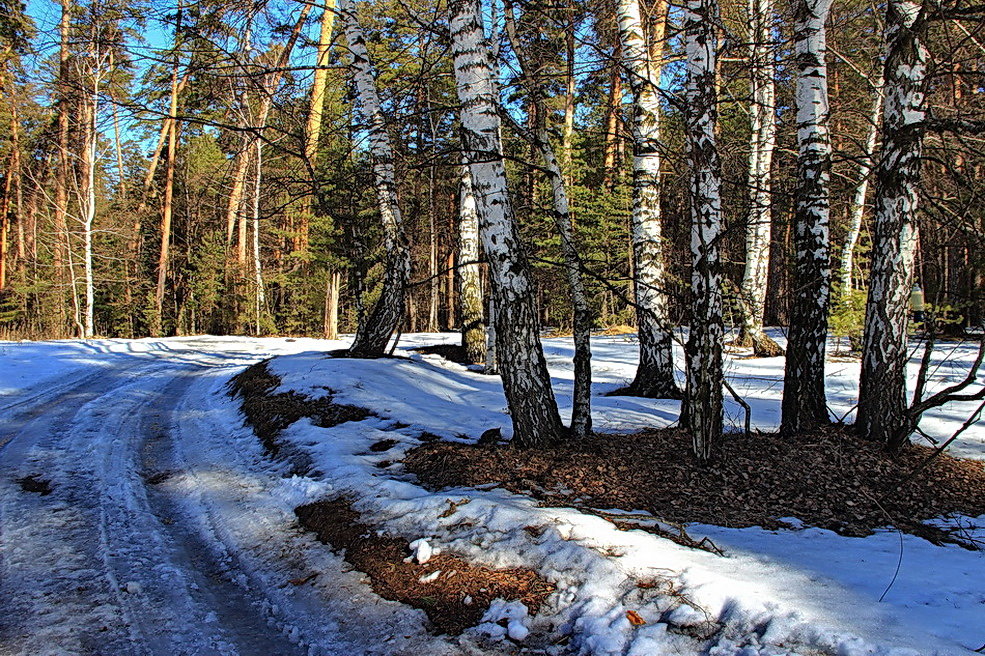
762 141
526 381
374 334
882 407
804 402
581 401
581 411
703 404
846 260
469 275
655 373
89 208
260 297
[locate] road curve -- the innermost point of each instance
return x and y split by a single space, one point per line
161 533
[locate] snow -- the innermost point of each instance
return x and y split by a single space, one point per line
215 542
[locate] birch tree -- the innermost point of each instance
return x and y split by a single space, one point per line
374 334
526 381
762 141
469 278
882 407
804 402
705 378
655 373
581 411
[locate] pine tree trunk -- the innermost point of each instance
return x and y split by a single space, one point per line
5 223
374 334
167 209
315 114
762 112
655 373
705 379
526 381
612 111
60 252
846 261
882 406
804 402
469 276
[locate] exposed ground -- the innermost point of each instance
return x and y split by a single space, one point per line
829 479
457 596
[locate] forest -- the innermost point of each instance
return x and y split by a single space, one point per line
507 168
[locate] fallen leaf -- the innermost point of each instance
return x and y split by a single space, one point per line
302 581
634 618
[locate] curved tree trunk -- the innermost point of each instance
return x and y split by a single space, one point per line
882 405
526 381
374 334
705 378
469 276
762 112
804 402
655 373
581 410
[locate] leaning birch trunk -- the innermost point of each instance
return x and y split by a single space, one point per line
655 373
705 378
469 276
804 402
846 261
526 381
882 404
581 401
374 334
762 113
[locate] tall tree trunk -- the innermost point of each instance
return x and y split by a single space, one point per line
568 131
583 318
5 222
655 373
882 404
762 112
333 281
705 379
526 381
581 412
613 108
88 199
61 248
315 115
469 275
804 402
163 259
846 261
373 335
260 295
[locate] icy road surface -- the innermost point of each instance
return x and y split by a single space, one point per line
158 536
